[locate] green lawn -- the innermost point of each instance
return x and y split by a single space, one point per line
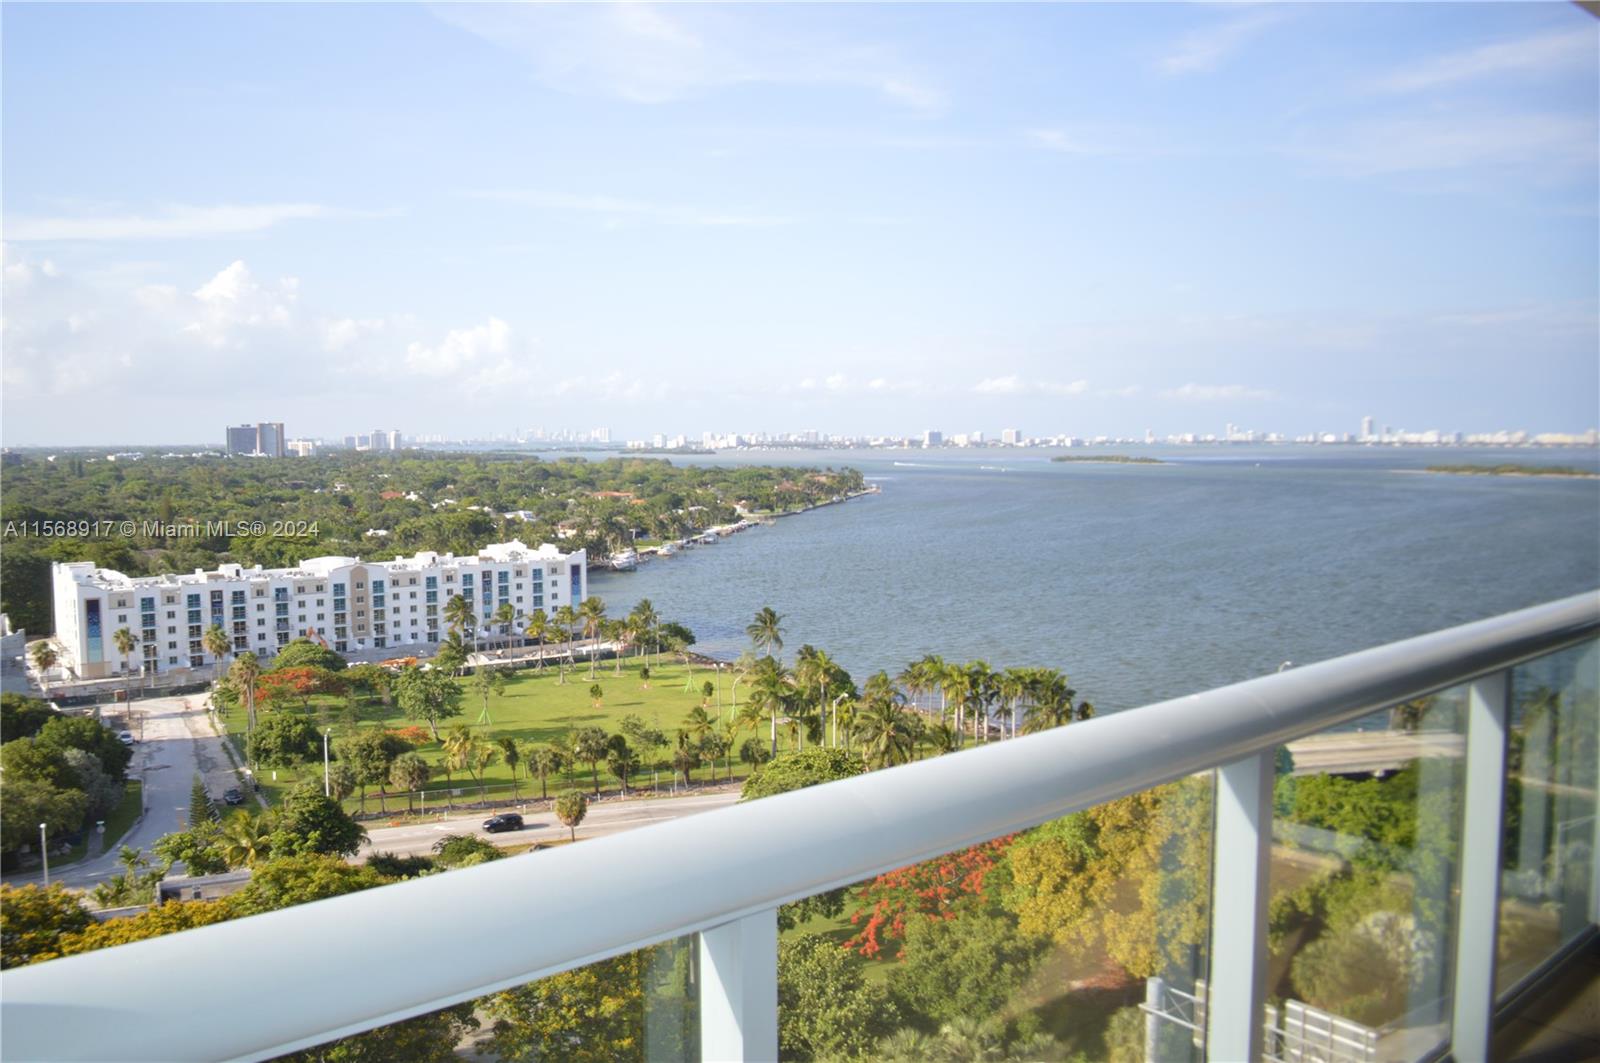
117 824
535 708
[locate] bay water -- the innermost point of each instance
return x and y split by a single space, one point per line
1141 582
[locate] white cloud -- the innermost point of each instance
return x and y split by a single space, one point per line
1016 385
999 385
20 272
655 54
460 350
1540 54
234 301
178 222
107 335
1215 393
615 208
340 334
839 384
1205 50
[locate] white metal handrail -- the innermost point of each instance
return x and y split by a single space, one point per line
352 963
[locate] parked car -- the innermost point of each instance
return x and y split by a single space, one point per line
125 737
233 797
504 821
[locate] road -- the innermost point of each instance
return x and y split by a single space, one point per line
1356 752
176 741
607 817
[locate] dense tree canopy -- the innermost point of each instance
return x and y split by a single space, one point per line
797 769
602 504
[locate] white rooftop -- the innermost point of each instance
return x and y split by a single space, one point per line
85 572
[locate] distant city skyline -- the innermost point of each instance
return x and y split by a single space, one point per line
1085 219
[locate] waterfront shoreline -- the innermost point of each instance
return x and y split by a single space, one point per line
745 523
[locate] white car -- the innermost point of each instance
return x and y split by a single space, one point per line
125 737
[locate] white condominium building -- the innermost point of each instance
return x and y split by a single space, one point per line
348 603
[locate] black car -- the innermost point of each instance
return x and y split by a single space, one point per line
233 797
504 821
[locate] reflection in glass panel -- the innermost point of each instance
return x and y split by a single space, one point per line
1042 945
1551 764
1366 842
640 1007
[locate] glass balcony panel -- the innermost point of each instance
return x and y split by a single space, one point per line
640 1007
1552 758
1042 945
1362 885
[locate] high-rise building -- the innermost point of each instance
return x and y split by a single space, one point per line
1010 436
270 439
301 448
242 439
1366 427
932 438
264 438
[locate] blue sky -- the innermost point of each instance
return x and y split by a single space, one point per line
864 219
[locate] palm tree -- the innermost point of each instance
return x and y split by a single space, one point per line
458 614
1052 702
246 839
567 620
479 758
511 755
982 690
536 627
817 671
589 744
505 616
125 641
933 671
217 644
457 748
886 728
645 618
593 614
915 679
621 761
246 669
773 693
1014 685
44 655
545 761
765 631
622 633
955 686
698 722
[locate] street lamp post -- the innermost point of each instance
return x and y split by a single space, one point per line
44 852
327 789
836 701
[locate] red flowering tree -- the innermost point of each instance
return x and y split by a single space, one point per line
281 684
940 888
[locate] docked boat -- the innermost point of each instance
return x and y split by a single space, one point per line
708 538
667 550
626 561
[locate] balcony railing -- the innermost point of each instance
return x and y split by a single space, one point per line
353 963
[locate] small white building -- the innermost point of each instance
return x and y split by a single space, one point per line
349 603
